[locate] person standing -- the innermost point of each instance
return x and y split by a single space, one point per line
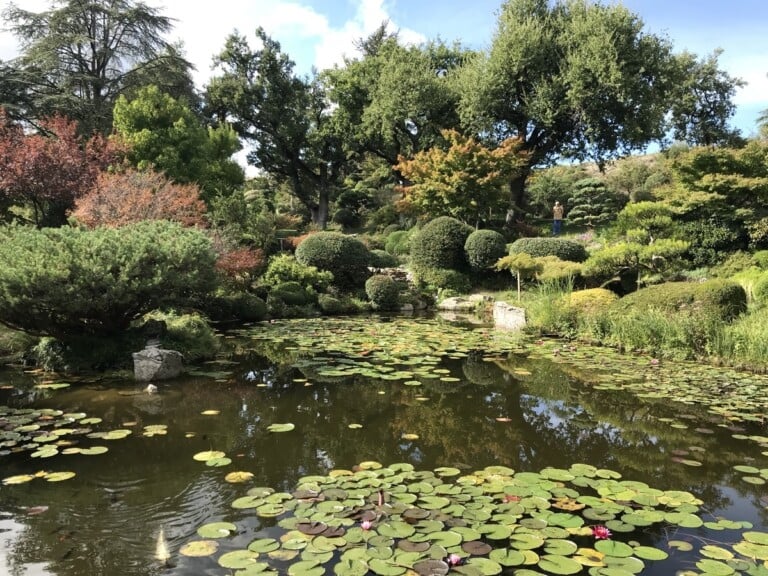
557 218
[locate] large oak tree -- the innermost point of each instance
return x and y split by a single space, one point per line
572 79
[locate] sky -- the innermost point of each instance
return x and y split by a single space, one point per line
318 33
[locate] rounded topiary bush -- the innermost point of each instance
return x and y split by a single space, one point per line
344 256
483 249
719 299
382 291
560 247
382 259
440 244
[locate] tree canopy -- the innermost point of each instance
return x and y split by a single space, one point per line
571 79
80 55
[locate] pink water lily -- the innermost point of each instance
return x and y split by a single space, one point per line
601 532
366 524
454 560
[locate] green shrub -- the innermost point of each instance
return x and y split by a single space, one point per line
382 291
733 264
398 243
442 279
66 281
483 249
440 245
243 306
708 241
331 305
720 299
591 301
560 271
292 293
285 268
190 334
346 217
382 259
560 247
760 290
343 256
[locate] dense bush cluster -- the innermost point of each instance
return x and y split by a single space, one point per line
440 244
442 279
344 256
398 243
68 281
383 259
560 247
382 291
483 249
717 298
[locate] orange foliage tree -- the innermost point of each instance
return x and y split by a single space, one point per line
121 198
466 180
47 171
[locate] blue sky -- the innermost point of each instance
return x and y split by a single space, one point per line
319 32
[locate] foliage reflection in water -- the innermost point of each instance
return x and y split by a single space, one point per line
463 403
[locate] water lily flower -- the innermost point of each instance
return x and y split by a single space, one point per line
366 524
454 560
654 361
601 532
511 498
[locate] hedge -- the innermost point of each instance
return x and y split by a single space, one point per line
344 256
560 247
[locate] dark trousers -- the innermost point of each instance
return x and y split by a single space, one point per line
556 225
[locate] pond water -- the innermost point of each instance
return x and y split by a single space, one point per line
423 392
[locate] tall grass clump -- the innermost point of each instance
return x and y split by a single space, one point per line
545 309
744 342
681 335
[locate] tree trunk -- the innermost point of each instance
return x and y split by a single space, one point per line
319 211
517 189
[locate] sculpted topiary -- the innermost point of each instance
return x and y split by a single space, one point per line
344 256
483 249
382 291
440 244
560 247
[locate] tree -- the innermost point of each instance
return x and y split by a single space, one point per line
591 203
466 180
47 171
394 100
703 102
121 198
521 265
571 79
80 55
284 117
163 132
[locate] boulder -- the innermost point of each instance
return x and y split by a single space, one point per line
507 316
155 363
457 303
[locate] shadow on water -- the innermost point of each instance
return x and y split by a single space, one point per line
515 410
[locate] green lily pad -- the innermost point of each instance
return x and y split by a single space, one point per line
238 559
559 564
217 530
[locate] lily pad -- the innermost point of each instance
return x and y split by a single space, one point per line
287 427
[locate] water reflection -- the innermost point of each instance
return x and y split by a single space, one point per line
520 412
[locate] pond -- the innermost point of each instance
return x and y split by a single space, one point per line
492 443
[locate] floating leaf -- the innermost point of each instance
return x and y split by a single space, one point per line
216 530
20 479
208 455
238 559
199 548
238 477
59 476
287 427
